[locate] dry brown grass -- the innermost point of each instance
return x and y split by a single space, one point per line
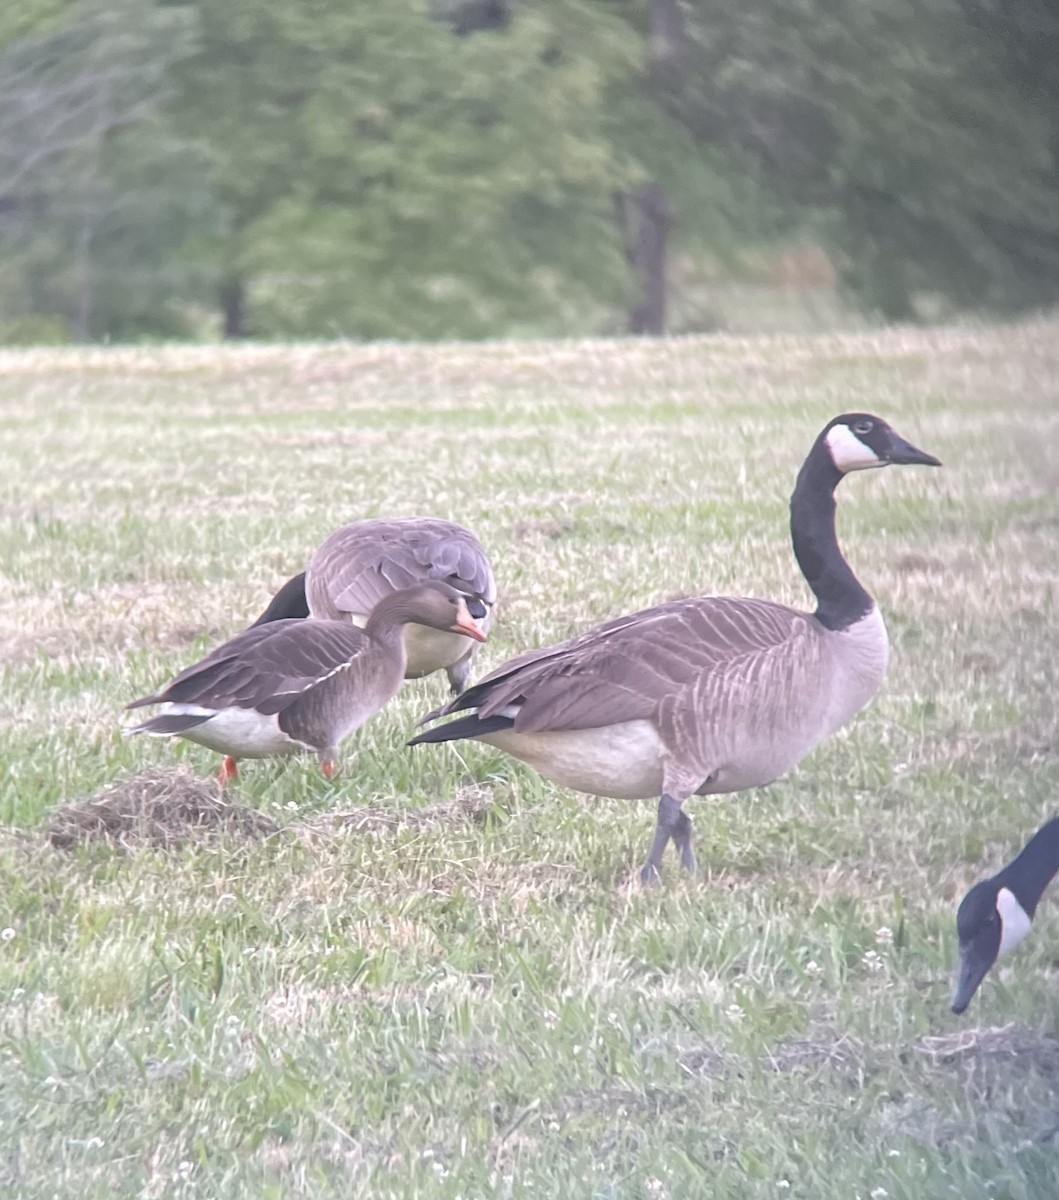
439 980
155 808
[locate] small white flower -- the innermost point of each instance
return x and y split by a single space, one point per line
878 1193
873 961
893 1153
783 1183
813 968
7 934
884 936
734 1013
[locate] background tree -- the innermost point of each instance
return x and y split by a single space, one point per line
923 158
78 95
468 168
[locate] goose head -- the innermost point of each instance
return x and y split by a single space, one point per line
436 605
989 922
860 441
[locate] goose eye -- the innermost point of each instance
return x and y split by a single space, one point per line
863 427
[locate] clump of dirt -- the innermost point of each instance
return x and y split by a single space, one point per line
158 808
996 1056
806 1053
471 803
914 564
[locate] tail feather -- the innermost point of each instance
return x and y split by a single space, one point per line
168 724
464 727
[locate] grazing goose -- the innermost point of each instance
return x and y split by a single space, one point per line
292 685
996 913
703 695
360 563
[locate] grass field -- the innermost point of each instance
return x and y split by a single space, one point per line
439 978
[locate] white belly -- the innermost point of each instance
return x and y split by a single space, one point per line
240 732
622 761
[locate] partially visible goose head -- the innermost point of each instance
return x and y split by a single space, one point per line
433 604
996 914
859 441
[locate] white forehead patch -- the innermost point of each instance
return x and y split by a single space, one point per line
1014 922
848 452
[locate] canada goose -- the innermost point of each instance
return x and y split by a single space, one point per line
288 603
703 695
360 563
996 914
292 685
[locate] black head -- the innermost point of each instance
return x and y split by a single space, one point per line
860 441
980 930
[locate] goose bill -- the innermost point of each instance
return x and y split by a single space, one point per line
467 627
974 967
903 453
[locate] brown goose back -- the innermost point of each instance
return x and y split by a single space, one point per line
362 562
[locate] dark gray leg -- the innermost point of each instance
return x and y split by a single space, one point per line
460 672
682 841
669 826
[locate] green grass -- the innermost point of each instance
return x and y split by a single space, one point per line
440 979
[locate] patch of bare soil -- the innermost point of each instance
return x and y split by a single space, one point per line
158 808
805 1053
471 804
995 1054
1010 1075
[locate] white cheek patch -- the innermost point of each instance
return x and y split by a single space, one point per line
848 452
1014 922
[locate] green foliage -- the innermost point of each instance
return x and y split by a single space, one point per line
383 177
461 168
914 147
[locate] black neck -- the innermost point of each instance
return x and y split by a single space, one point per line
841 600
1029 874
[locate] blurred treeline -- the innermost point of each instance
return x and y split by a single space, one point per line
469 168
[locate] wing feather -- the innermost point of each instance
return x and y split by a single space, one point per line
362 562
267 667
682 657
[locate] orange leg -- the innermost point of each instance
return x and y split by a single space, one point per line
229 770
328 768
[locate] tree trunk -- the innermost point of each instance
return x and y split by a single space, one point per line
233 312
82 321
648 219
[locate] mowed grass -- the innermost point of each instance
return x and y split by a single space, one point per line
440 978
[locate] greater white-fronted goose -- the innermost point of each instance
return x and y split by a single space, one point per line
362 562
291 685
704 695
997 913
